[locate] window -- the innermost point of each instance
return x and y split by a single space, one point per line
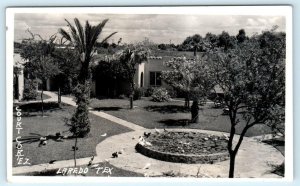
155 78
142 79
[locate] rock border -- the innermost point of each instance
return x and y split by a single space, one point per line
182 158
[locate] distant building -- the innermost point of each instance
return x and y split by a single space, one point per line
148 74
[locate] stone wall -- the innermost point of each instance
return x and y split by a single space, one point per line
182 158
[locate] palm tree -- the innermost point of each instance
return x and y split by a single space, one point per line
84 40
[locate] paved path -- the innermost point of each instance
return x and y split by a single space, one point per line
252 160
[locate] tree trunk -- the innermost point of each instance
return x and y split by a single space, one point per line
131 94
232 164
75 147
187 102
16 87
59 97
195 51
131 101
195 112
42 102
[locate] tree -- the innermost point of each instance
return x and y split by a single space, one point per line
252 77
226 41
190 77
84 41
210 41
241 37
128 60
67 60
44 68
193 42
40 63
17 72
162 46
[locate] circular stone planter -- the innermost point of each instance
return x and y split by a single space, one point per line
185 147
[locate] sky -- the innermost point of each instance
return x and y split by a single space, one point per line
159 28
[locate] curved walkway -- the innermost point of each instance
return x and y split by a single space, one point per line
252 160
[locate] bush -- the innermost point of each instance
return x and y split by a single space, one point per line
160 95
138 93
149 92
94 102
122 96
172 93
30 90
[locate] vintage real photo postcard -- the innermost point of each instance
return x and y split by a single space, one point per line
169 93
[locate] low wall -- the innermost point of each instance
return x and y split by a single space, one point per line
182 158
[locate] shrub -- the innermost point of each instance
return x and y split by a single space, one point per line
160 95
94 102
30 89
122 96
172 93
149 92
138 93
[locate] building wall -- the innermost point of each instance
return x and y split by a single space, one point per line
140 71
155 65
18 62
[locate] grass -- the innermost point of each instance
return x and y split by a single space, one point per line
171 114
34 124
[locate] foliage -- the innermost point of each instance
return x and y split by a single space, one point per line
252 78
191 77
241 37
30 89
43 67
68 63
160 95
172 92
79 124
149 91
39 55
162 46
138 93
128 60
17 72
40 63
84 41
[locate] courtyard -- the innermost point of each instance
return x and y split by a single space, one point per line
110 134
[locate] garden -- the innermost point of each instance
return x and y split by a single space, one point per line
251 103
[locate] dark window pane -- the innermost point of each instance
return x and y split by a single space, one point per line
152 78
142 79
158 78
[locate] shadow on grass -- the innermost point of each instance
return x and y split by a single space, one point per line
37 106
107 108
174 122
167 109
35 137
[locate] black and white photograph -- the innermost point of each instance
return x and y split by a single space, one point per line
159 92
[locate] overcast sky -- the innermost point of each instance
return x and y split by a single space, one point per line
158 28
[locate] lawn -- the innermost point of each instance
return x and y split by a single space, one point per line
171 114
34 124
